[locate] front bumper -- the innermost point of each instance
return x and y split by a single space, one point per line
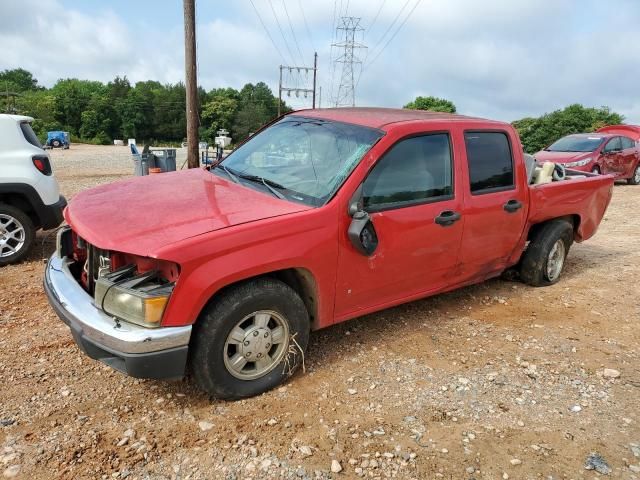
137 351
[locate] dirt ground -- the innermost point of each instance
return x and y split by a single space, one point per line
494 381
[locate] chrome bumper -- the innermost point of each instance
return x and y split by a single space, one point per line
138 351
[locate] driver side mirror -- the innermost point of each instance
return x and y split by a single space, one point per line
362 233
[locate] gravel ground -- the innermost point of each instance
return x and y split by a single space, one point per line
494 381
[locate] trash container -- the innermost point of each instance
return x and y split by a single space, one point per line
165 159
142 162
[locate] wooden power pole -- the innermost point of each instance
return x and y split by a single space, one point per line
191 82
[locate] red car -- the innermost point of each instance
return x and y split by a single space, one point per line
611 150
322 216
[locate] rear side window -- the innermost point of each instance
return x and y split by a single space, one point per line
627 143
614 144
29 135
413 171
490 161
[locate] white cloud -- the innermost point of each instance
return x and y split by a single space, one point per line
496 58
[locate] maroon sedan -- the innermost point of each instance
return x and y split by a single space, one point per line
614 152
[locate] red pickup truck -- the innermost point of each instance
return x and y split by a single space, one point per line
322 216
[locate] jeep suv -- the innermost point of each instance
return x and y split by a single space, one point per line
29 194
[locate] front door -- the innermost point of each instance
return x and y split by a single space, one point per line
495 203
409 194
628 157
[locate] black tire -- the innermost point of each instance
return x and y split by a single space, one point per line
596 170
8 211
533 267
208 351
635 178
56 143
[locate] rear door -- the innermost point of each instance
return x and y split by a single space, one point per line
495 202
628 157
405 193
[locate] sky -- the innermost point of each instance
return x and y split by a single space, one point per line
499 59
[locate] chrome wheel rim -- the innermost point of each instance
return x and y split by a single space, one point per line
256 345
555 261
636 177
12 235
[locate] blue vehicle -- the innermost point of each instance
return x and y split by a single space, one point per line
57 139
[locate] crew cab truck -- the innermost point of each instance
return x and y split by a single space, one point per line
322 216
29 194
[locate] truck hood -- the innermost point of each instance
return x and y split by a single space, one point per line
562 157
142 214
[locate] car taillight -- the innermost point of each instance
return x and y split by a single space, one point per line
41 162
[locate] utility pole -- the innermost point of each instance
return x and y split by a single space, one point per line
347 89
191 82
315 74
297 90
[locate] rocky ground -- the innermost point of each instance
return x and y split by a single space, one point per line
494 381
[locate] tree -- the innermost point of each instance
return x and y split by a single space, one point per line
219 111
433 104
538 133
18 80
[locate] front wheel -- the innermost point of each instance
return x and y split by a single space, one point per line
250 339
16 234
635 179
543 261
596 170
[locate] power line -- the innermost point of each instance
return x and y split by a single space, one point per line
333 38
373 22
306 25
390 26
267 32
286 44
394 34
293 33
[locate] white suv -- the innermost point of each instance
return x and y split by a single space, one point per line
29 193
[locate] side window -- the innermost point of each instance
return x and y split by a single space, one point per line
490 161
614 145
627 143
413 171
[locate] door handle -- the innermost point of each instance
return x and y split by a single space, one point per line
512 206
447 218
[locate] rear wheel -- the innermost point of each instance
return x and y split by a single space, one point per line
543 261
635 178
250 339
16 234
56 143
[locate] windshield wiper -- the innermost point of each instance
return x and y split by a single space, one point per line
270 184
228 172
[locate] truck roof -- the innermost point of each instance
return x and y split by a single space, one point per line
379 117
15 118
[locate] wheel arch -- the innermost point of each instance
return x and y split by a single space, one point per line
573 219
21 201
300 279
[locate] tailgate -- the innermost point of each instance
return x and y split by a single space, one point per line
588 198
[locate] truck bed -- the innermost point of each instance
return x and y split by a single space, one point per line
586 198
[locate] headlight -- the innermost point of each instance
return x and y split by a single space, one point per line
579 163
139 299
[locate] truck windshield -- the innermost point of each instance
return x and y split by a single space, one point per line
305 159
576 144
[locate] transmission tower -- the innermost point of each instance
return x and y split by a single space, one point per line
347 31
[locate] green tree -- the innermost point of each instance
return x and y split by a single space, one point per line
538 133
219 112
433 104
18 80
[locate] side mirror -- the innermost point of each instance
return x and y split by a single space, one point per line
362 233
